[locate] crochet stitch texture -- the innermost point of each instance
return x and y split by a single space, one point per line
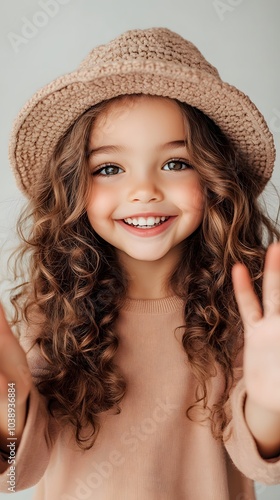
153 61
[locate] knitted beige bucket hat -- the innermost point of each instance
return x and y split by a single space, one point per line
154 61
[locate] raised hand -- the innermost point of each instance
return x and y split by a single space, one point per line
261 362
14 374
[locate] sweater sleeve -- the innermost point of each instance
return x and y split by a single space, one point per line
241 445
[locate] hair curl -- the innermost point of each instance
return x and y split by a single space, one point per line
77 286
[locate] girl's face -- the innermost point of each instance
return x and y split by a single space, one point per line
145 197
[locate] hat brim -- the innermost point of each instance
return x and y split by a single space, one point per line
50 112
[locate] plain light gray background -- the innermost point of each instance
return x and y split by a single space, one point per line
39 43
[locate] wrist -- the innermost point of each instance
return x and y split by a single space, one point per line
264 425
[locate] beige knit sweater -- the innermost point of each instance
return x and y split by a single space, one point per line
150 451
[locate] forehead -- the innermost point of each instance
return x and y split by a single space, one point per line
139 115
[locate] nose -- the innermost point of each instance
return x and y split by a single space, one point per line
145 191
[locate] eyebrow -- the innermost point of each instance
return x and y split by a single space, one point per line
118 149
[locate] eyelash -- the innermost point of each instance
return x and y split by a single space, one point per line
178 160
173 160
107 165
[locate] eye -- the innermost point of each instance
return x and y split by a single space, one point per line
176 165
108 170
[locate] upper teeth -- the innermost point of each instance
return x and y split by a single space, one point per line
145 221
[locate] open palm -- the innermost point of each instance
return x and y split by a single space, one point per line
261 362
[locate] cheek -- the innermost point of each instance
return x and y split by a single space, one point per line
190 196
99 201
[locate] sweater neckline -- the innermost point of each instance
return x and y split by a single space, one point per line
153 306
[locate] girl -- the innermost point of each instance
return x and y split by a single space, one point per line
150 372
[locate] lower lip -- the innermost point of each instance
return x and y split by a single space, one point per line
153 231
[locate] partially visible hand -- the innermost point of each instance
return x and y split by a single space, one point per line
262 331
15 385
13 365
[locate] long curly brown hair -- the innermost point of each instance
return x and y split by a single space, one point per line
76 285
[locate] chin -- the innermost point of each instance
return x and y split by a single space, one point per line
146 258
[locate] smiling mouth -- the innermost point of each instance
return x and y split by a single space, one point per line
145 222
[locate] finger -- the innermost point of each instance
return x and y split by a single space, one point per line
271 281
247 301
4 327
3 385
13 363
6 335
